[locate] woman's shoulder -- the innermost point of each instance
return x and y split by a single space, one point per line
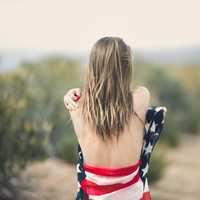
141 100
141 96
142 90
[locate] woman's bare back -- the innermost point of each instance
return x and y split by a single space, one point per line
113 154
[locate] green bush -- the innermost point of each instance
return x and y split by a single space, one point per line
171 134
33 117
67 149
158 165
192 121
22 135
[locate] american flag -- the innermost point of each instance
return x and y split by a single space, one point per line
128 183
105 183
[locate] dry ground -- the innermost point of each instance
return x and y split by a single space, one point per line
181 180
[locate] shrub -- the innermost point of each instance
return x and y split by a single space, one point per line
67 149
32 120
158 165
21 134
171 134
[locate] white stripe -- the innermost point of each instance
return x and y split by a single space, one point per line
108 180
146 186
133 192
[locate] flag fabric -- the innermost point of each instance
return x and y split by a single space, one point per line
105 183
127 183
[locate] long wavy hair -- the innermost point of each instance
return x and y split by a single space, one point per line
107 102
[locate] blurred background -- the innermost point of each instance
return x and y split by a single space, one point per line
44 49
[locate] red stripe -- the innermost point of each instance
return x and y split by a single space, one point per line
93 189
146 196
111 171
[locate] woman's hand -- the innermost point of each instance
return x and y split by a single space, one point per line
71 98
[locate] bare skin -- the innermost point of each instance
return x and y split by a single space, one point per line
111 154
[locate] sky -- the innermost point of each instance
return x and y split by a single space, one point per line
72 25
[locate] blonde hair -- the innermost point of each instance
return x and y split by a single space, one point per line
107 102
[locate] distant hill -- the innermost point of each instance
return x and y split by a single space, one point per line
172 56
180 57
12 58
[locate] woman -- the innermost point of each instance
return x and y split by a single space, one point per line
115 127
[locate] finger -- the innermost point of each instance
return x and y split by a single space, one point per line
69 92
73 95
78 91
66 99
72 103
77 94
68 106
76 98
71 106
66 102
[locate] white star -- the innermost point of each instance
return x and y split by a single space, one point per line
77 168
158 108
163 120
161 108
149 148
147 126
78 184
165 109
145 170
146 187
153 127
156 134
145 130
144 144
